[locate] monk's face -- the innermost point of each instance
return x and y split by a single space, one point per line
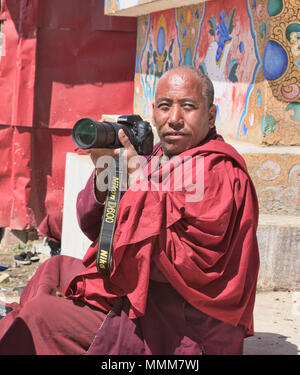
181 113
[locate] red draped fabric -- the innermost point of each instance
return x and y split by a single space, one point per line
207 250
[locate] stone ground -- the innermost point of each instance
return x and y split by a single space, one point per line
276 324
276 314
15 277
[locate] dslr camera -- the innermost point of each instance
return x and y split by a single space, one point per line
88 133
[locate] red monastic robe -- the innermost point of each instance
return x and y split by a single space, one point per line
207 250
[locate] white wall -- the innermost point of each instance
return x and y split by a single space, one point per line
78 170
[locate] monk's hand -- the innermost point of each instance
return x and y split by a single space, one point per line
97 153
131 159
101 158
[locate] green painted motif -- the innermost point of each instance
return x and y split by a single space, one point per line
274 7
294 27
268 124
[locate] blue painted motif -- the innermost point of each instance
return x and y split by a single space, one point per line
258 98
275 60
297 63
263 30
224 37
245 129
160 41
188 57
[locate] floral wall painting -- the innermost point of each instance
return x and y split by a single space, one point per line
251 51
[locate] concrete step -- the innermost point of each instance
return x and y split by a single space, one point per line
279 248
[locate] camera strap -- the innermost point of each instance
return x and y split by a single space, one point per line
109 218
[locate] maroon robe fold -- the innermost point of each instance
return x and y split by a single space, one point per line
43 323
206 250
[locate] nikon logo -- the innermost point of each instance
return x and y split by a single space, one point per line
103 258
113 189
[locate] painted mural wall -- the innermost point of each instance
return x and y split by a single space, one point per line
249 48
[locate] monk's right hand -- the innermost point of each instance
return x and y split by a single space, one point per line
96 153
100 158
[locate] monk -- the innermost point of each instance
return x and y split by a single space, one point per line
185 258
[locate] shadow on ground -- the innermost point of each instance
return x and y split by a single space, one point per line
265 343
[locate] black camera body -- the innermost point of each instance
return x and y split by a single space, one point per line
88 133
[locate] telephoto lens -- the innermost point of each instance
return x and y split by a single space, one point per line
88 133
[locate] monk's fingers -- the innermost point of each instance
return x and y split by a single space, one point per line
130 150
97 154
133 161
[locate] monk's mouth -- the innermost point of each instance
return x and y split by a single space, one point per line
174 136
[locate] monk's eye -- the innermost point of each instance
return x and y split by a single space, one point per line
189 106
164 107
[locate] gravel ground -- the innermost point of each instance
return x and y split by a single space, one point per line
16 276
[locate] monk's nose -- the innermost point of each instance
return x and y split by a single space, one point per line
175 116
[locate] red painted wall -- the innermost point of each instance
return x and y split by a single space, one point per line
63 60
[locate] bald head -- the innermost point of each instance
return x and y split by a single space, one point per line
206 83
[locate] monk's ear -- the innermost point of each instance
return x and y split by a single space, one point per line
212 113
